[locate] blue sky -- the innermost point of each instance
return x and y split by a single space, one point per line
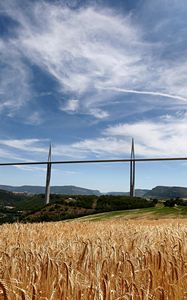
88 76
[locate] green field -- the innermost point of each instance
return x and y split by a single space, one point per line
159 212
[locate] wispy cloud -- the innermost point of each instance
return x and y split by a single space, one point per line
71 105
31 168
150 93
162 136
34 118
15 90
24 144
94 55
87 51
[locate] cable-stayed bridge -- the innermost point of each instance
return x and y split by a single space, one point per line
132 162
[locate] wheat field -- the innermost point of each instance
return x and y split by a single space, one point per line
112 260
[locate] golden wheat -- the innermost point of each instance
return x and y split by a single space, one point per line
111 260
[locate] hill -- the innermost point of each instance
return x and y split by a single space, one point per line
151 213
65 190
61 208
9 199
167 192
160 192
32 208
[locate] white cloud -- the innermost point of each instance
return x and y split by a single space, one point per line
31 168
84 50
87 51
34 118
166 136
71 105
15 77
30 145
94 55
99 113
127 91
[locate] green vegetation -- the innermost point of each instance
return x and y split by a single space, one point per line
143 213
61 207
111 203
32 208
27 208
173 202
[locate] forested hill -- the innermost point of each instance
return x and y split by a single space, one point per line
166 192
65 190
9 198
33 208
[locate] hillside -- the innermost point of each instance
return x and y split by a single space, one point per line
65 190
32 207
61 208
160 192
9 198
24 208
151 213
167 192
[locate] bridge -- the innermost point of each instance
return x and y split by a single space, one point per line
132 162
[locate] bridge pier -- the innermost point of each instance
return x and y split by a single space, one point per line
48 178
132 171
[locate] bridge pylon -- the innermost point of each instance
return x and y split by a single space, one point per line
48 178
132 170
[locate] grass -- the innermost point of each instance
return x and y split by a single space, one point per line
158 212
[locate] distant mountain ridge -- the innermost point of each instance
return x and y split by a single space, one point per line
167 192
65 190
157 192
160 192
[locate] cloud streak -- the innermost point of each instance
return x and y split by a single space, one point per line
145 93
163 136
87 51
15 78
91 54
